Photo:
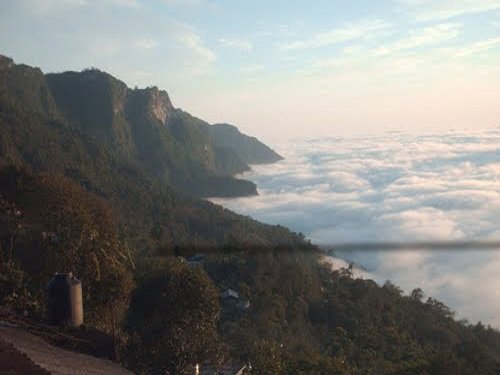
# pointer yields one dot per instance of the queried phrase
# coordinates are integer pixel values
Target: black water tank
(64, 300)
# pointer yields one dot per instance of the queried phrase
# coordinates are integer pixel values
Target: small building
(231, 302)
(230, 295)
(196, 260)
(243, 305)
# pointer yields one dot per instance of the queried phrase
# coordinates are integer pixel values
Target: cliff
(139, 126)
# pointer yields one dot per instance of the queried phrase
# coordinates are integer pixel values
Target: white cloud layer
(236, 43)
(123, 37)
(363, 30)
(428, 36)
(478, 47)
(444, 9)
(396, 187)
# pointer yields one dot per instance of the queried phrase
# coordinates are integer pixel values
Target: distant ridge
(251, 150)
(132, 148)
(141, 126)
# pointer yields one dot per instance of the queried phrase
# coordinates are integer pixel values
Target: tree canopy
(173, 318)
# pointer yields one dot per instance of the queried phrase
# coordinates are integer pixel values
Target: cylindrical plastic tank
(64, 300)
(76, 303)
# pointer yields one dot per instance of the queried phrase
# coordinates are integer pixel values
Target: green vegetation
(143, 127)
(90, 173)
(172, 318)
(306, 318)
(153, 215)
(54, 225)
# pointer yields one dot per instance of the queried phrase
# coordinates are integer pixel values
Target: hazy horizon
(281, 69)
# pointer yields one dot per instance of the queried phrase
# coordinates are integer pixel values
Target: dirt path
(55, 360)
(13, 362)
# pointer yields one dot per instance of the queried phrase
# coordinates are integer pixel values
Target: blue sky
(281, 68)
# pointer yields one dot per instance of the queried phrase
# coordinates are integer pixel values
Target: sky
(281, 69)
(396, 187)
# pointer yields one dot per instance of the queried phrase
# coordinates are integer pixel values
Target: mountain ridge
(250, 148)
(154, 212)
(141, 126)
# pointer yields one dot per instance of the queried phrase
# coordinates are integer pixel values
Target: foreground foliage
(172, 319)
(59, 227)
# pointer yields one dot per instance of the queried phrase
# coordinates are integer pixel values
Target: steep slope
(94, 101)
(142, 125)
(26, 85)
(250, 149)
(154, 215)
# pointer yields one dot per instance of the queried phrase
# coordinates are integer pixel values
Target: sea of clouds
(396, 187)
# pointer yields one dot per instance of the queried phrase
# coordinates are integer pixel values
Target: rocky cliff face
(150, 102)
(140, 126)
(5, 62)
(160, 105)
(95, 102)
(26, 85)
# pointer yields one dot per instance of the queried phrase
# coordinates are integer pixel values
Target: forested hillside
(102, 180)
(139, 126)
(94, 151)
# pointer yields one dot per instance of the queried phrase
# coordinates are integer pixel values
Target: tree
(11, 225)
(417, 294)
(173, 318)
(444, 364)
(13, 293)
(267, 358)
(66, 228)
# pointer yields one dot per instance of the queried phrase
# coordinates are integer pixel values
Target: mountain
(26, 86)
(142, 125)
(134, 149)
(250, 149)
